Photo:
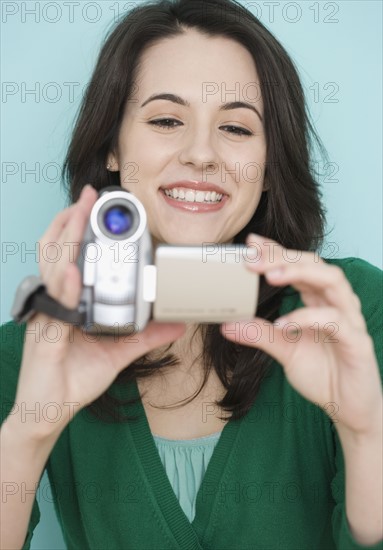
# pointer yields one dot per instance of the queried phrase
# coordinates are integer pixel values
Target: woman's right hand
(72, 369)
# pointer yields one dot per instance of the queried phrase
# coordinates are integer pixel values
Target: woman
(288, 422)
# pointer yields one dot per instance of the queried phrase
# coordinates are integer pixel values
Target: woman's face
(196, 157)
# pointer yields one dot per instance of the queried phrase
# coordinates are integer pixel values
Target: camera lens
(118, 220)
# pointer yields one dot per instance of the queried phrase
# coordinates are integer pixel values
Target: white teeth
(199, 196)
(189, 195)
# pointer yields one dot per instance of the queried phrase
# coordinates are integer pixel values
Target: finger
(71, 291)
(81, 214)
(73, 231)
(264, 254)
(316, 325)
(55, 228)
(326, 325)
(277, 340)
(51, 243)
(260, 334)
(326, 320)
(68, 246)
(318, 281)
(327, 282)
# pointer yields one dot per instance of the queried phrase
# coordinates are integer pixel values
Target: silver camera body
(125, 285)
(112, 263)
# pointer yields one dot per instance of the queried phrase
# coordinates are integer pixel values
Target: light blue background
(346, 52)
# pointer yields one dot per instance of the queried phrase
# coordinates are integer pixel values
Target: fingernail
(86, 187)
(275, 273)
(253, 253)
(253, 236)
(281, 321)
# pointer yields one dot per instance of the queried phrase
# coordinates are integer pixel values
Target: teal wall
(336, 46)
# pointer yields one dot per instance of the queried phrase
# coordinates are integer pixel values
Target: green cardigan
(275, 480)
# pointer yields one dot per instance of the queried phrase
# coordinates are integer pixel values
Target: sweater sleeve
(11, 346)
(367, 283)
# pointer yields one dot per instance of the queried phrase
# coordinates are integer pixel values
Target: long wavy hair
(290, 211)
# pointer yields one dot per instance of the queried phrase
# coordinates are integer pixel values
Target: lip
(195, 207)
(196, 186)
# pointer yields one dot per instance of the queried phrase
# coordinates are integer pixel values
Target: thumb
(257, 333)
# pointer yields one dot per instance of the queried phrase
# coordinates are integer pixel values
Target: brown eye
(238, 130)
(165, 122)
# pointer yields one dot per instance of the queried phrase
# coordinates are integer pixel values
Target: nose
(198, 150)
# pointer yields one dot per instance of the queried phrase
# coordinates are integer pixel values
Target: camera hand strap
(31, 296)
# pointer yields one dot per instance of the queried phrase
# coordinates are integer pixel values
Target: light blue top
(185, 462)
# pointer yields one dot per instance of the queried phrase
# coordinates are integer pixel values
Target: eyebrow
(226, 107)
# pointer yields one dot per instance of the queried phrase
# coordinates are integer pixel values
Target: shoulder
(11, 345)
(11, 341)
(357, 269)
(366, 281)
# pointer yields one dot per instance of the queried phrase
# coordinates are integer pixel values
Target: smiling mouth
(188, 195)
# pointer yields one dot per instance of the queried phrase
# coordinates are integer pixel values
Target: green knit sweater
(275, 480)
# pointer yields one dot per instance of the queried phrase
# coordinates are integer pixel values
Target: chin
(182, 234)
(191, 238)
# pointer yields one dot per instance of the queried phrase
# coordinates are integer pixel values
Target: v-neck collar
(188, 535)
(194, 535)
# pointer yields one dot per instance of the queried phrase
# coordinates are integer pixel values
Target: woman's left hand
(324, 348)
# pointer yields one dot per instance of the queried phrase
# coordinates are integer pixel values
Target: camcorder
(125, 283)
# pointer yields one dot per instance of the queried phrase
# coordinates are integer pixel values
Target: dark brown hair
(290, 211)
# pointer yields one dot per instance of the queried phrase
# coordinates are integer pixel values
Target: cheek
(248, 198)
(144, 160)
(252, 174)
(247, 165)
